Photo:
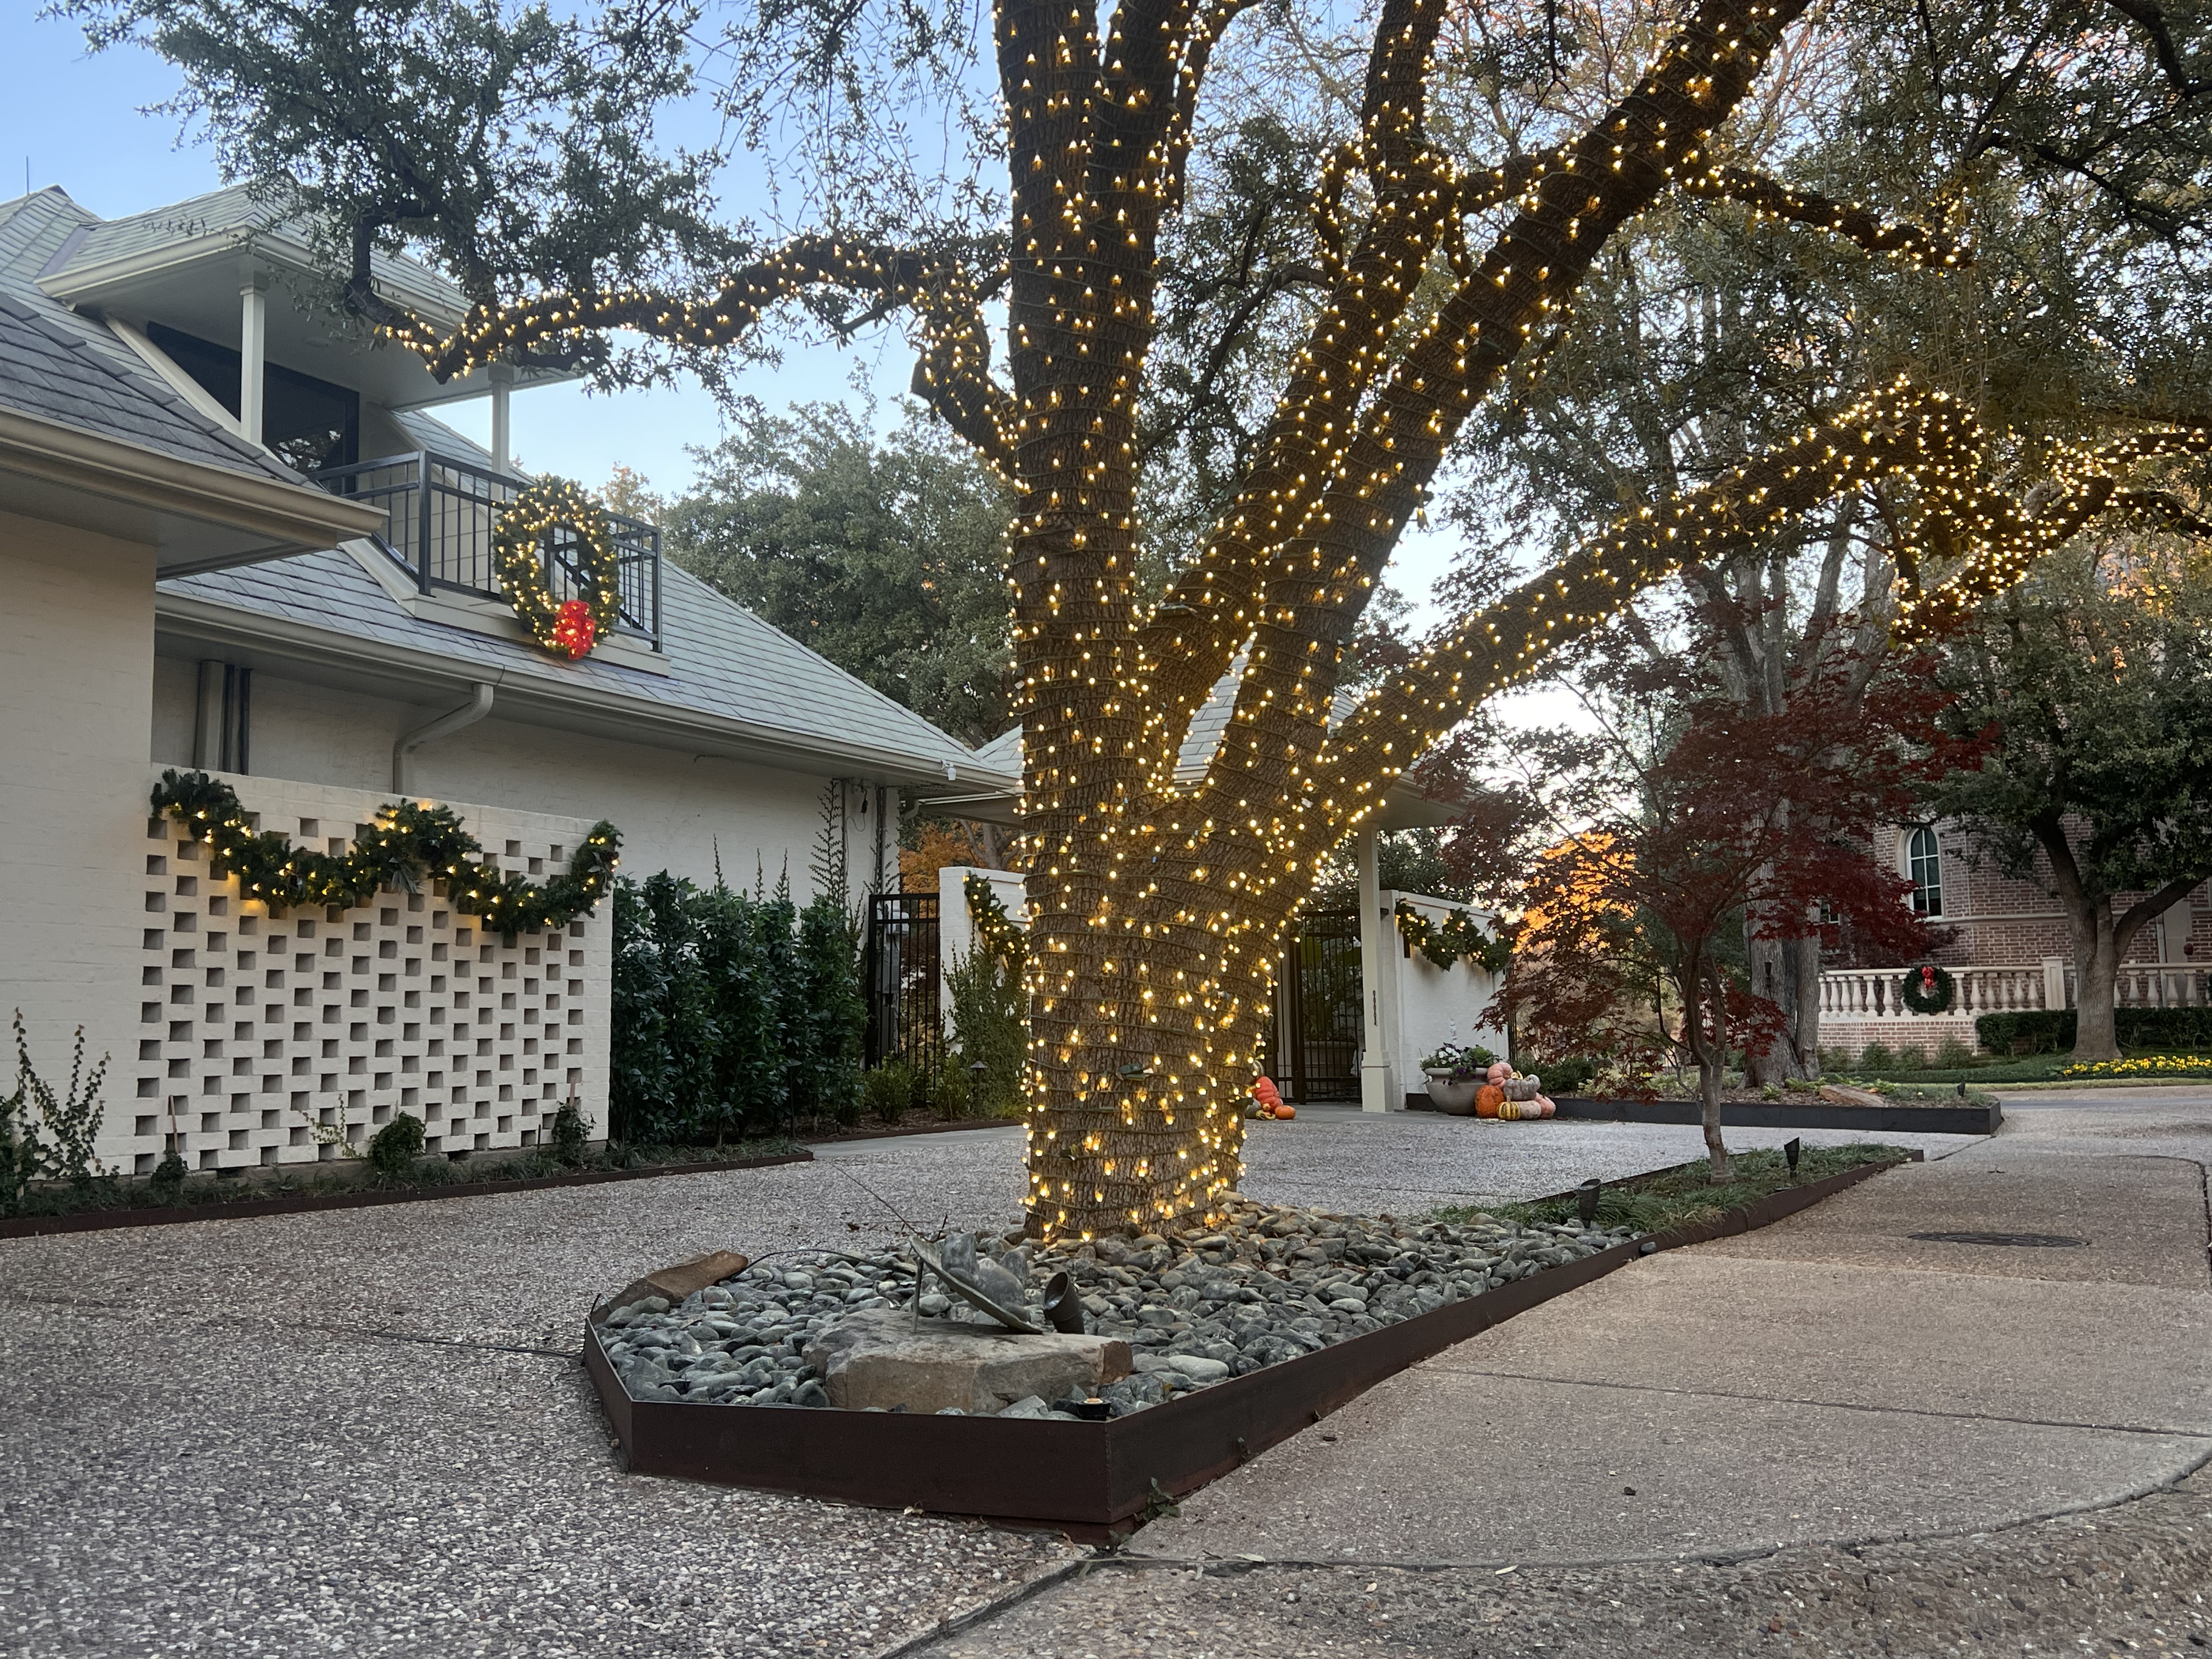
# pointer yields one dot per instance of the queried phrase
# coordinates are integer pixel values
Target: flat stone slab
(883, 1357)
(683, 1278)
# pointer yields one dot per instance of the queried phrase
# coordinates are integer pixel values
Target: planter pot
(1456, 1098)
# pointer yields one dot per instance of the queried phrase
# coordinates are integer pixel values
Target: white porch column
(1381, 1087)
(2054, 982)
(253, 350)
(503, 431)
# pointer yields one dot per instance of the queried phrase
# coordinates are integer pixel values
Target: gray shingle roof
(238, 211)
(57, 376)
(724, 660)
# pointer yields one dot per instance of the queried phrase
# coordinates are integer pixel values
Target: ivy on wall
(406, 844)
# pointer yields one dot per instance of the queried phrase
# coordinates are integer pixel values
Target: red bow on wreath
(574, 630)
(1927, 974)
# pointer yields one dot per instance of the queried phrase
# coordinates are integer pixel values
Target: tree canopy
(1448, 250)
(889, 560)
(2084, 698)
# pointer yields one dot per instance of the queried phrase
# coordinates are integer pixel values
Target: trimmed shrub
(734, 1014)
(1952, 1054)
(888, 1090)
(2051, 1031)
(990, 1023)
(570, 1136)
(1566, 1076)
(1876, 1057)
(393, 1149)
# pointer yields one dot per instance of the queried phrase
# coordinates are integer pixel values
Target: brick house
(233, 539)
(2008, 948)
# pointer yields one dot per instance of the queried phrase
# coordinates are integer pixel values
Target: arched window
(1924, 864)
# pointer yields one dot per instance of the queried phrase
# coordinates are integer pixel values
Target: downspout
(469, 714)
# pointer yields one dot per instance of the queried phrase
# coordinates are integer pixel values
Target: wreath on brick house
(568, 628)
(406, 844)
(1927, 989)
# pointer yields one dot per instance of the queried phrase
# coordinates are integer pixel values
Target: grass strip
(1667, 1199)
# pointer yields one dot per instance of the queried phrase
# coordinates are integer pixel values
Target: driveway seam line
(1832, 1405)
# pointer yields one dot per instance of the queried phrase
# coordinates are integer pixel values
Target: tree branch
(938, 292)
(2146, 16)
(1767, 197)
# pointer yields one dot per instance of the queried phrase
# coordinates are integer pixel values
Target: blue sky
(70, 119)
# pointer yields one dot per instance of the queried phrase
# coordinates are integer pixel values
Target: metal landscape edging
(1091, 1480)
(1961, 1119)
(170, 1215)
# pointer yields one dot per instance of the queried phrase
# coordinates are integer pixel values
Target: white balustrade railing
(1871, 993)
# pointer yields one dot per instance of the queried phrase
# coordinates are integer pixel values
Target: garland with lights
(406, 844)
(1928, 989)
(1459, 934)
(1002, 936)
(568, 628)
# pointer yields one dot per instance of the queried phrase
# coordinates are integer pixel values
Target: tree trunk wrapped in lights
(1158, 910)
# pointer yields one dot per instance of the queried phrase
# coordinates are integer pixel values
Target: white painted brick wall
(76, 648)
(252, 1027)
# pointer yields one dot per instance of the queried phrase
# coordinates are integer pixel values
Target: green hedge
(734, 1015)
(2051, 1031)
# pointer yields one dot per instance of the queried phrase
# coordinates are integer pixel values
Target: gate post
(1381, 1089)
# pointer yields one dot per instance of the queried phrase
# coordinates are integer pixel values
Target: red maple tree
(1745, 825)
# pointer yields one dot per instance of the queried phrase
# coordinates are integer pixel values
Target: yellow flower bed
(2145, 1066)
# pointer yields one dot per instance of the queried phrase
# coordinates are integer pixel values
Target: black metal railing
(1320, 1023)
(901, 967)
(441, 515)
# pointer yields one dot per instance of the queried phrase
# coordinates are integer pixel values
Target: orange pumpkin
(1487, 1099)
(1286, 1111)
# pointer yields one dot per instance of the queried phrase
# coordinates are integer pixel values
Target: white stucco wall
(76, 648)
(251, 1026)
(1437, 1005)
(677, 810)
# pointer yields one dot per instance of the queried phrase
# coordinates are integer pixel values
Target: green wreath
(1927, 989)
(568, 628)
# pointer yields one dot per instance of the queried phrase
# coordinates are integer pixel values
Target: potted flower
(1457, 1075)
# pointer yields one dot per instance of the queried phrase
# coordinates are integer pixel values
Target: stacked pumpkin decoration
(1506, 1095)
(1267, 1101)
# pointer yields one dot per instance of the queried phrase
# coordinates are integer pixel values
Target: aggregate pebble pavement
(365, 1431)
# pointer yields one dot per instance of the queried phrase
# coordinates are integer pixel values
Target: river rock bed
(1196, 1310)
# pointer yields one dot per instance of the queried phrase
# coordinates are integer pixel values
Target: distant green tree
(888, 559)
(2092, 683)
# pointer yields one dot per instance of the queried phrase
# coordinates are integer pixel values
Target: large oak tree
(1157, 906)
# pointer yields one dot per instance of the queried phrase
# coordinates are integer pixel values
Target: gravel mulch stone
(1271, 1284)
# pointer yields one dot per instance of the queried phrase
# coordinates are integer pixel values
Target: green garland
(1002, 936)
(406, 843)
(1927, 989)
(1457, 935)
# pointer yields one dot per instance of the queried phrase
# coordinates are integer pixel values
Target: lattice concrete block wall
(251, 1026)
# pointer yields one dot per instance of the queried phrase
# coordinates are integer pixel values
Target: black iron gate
(902, 967)
(1321, 1026)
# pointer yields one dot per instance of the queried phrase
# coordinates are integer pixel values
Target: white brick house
(234, 540)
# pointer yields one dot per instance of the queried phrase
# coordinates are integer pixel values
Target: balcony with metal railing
(442, 515)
